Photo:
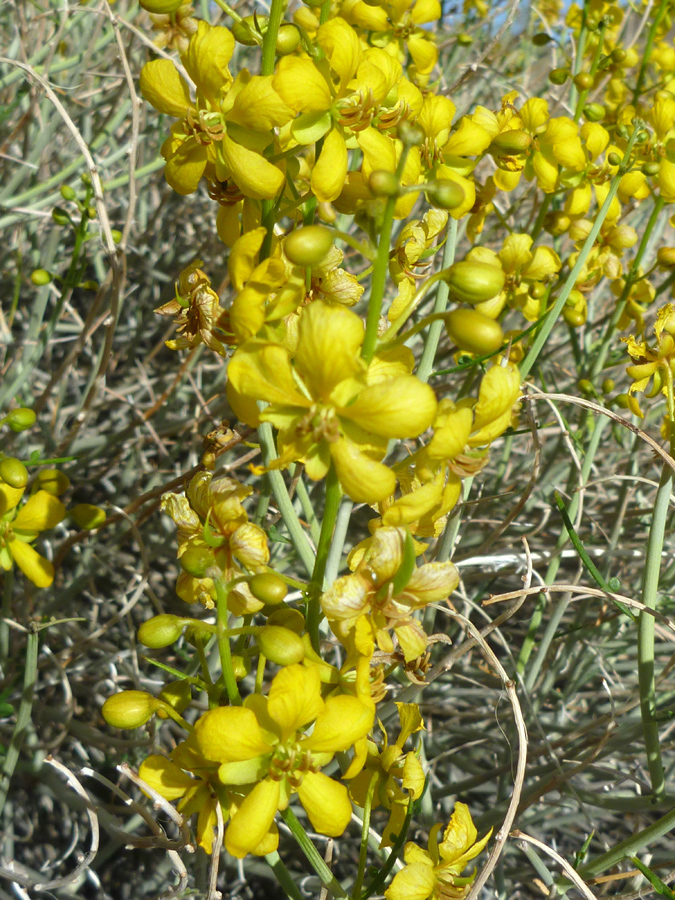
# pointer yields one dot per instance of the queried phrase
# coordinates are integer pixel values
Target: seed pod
(177, 695)
(288, 618)
(21, 419)
(511, 142)
(281, 645)
(464, 39)
(474, 332)
(161, 631)
(129, 709)
(40, 277)
(87, 516)
(53, 481)
(384, 184)
(446, 194)
(268, 588)
(473, 282)
(13, 472)
(308, 246)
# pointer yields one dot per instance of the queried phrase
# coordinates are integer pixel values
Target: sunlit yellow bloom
(324, 403)
(20, 527)
(198, 314)
(364, 607)
(435, 873)
(265, 743)
(653, 366)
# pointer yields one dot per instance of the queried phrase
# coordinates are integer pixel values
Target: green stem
(433, 337)
(647, 52)
(378, 882)
(365, 828)
(7, 592)
(313, 856)
(330, 511)
(224, 644)
(23, 716)
(269, 46)
(283, 876)
(568, 287)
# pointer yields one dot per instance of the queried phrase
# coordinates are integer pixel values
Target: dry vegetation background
(129, 417)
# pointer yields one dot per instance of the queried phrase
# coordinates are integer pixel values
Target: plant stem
(283, 876)
(23, 716)
(224, 643)
(313, 856)
(269, 45)
(330, 511)
(433, 337)
(649, 44)
(363, 852)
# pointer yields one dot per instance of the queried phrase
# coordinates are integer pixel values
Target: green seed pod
(268, 588)
(281, 645)
(161, 7)
(40, 277)
(445, 194)
(583, 81)
(245, 31)
(473, 332)
(594, 112)
(67, 192)
(87, 516)
(53, 481)
(129, 709)
(473, 282)
(287, 617)
(511, 142)
(161, 631)
(308, 246)
(558, 76)
(197, 558)
(608, 386)
(384, 184)
(177, 695)
(287, 39)
(21, 419)
(13, 472)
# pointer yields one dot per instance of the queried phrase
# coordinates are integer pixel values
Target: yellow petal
(35, 567)
(9, 497)
(42, 511)
(499, 391)
(253, 820)
(470, 139)
(329, 344)
(301, 85)
(330, 170)
(451, 435)
(165, 777)
(259, 107)
(414, 882)
(326, 803)
(341, 723)
(254, 175)
(230, 734)
(342, 47)
(295, 698)
(399, 408)
(185, 166)
(164, 88)
(262, 370)
(423, 51)
(244, 256)
(432, 582)
(207, 57)
(362, 479)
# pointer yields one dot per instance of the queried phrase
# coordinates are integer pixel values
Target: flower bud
(651, 168)
(622, 401)
(287, 39)
(608, 386)
(556, 222)
(308, 246)
(60, 216)
(13, 472)
(594, 112)
(665, 257)
(53, 481)
(129, 709)
(537, 290)
(473, 332)
(281, 645)
(583, 81)
(21, 419)
(161, 631)
(116, 236)
(40, 277)
(245, 31)
(558, 76)
(268, 588)
(541, 39)
(586, 387)
(161, 7)
(67, 192)
(289, 618)
(177, 695)
(87, 516)
(410, 135)
(473, 282)
(613, 158)
(197, 558)
(241, 666)
(618, 56)
(511, 142)
(445, 194)
(464, 39)
(384, 184)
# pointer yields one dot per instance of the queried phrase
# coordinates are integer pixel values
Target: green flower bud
(85, 178)
(21, 419)
(281, 645)
(594, 112)
(586, 387)
(40, 277)
(53, 481)
(129, 709)
(60, 216)
(246, 31)
(268, 588)
(161, 7)
(384, 184)
(556, 222)
(197, 558)
(583, 81)
(651, 168)
(13, 472)
(116, 236)
(613, 158)
(177, 695)
(537, 290)
(241, 666)
(308, 246)
(410, 135)
(558, 76)
(287, 39)
(87, 516)
(618, 55)
(665, 257)
(511, 142)
(445, 194)
(473, 332)
(541, 39)
(91, 212)
(161, 631)
(289, 618)
(464, 39)
(623, 131)
(473, 282)
(67, 192)
(622, 401)
(607, 386)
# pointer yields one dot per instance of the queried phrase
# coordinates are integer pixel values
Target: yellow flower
(197, 310)
(653, 367)
(227, 127)
(435, 873)
(265, 744)
(19, 528)
(326, 404)
(388, 765)
(362, 608)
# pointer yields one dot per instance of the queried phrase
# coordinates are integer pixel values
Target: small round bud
(60, 216)
(21, 419)
(13, 472)
(622, 401)
(537, 290)
(268, 588)
(87, 516)
(197, 558)
(116, 235)
(410, 135)
(464, 39)
(574, 317)
(246, 31)
(623, 131)
(161, 631)
(177, 695)
(384, 184)
(618, 56)
(586, 387)
(287, 39)
(445, 194)
(473, 282)
(161, 7)
(583, 81)
(241, 666)
(664, 95)
(541, 39)
(511, 142)
(308, 246)
(556, 222)
(665, 256)
(281, 645)
(651, 168)
(91, 212)
(607, 386)
(642, 137)
(594, 112)
(53, 481)
(89, 285)
(287, 617)
(558, 76)
(40, 277)
(85, 178)
(67, 192)
(129, 709)
(613, 158)
(473, 332)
